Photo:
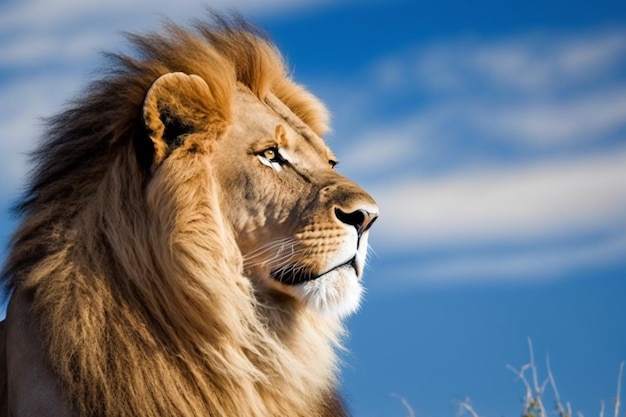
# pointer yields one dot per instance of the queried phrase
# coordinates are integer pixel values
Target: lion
(186, 247)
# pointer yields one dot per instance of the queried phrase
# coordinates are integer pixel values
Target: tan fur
(132, 249)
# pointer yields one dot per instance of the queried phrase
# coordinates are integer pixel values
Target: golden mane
(115, 307)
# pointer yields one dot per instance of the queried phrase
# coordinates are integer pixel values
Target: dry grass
(406, 404)
(536, 390)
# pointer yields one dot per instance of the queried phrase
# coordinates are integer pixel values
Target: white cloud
(582, 118)
(35, 32)
(52, 15)
(439, 135)
(375, 155)
(24, 105)
(37, 49)
(541, 92)
(380, 148)
(537, 62)
(528, 63)
(533, 265)
(513, 143)
(505, 204)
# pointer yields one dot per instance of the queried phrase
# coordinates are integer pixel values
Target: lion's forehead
(296, 124)
(260, 125)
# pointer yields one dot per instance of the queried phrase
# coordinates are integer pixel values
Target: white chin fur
(337, 293)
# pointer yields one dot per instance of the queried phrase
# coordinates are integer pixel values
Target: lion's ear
(178, 104)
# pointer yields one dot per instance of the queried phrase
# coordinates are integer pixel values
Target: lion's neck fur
(153, 327)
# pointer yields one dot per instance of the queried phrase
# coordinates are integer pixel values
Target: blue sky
(492, 134)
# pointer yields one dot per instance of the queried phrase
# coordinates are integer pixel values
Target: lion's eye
(332, 163)
(270, 154)
(272, 158)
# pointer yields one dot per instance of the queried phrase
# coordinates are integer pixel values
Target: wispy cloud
(584, 117)
(516, 143)
(24, 105)
(43, 15)
(505, 204)
(527, 64)
(518, 100)
(33, 32)
(535, 265)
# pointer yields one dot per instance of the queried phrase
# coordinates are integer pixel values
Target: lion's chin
(337, 293)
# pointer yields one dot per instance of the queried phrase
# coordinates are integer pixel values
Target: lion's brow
(297, 124)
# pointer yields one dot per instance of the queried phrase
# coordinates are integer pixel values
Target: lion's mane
(146, 313)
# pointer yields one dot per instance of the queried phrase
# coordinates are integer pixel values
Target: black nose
(360, 219)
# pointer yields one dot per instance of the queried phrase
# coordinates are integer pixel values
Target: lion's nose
(360, 219)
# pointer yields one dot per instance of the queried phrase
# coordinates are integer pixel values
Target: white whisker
(271, 246)
(279, 255)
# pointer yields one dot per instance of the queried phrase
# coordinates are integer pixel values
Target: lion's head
(300, 227)
(186, 220)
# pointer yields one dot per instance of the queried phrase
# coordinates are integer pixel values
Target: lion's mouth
(295, 274)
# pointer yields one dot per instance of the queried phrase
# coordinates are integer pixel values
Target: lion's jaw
(337, 292)
(309, 239)
(338, 289)
(334, 293)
